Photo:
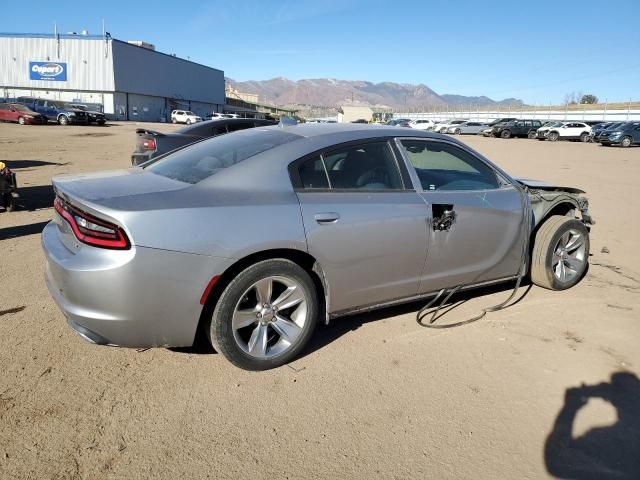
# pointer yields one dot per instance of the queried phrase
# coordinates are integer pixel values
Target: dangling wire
(424, 311)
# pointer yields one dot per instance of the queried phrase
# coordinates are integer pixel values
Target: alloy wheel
(270, 316)
(569, 257)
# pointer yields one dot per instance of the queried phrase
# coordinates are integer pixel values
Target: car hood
(540, 185)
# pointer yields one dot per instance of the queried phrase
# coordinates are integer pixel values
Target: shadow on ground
(611, 452)
(21, 230)
(325, 334)
(35, 198)
(19, 164)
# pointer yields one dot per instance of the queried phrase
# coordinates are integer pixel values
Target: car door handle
(327, 217)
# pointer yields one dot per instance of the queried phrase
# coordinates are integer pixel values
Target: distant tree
(589, 99)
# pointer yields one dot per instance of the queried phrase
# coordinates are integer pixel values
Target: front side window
(369, 166)
(441, 166)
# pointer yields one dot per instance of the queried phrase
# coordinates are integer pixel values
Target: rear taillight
(91, 230)
(149, 143)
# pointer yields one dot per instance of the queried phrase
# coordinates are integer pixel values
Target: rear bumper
(141, 297)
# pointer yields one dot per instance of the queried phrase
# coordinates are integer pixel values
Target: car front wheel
(584, 138)
(63, 120)
(21, 120)
(560, 253)
(626, 142)
(553, 136)
(265, 316)
(531, 135)
(505, 134)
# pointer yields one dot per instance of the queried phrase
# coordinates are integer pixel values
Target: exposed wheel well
(301, 258)
(564, 209)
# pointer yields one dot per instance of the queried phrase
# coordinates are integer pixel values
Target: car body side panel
(374, 251)
(484, 243)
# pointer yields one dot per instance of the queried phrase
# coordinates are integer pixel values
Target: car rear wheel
(553, 136)
(505, 134)
(265, 316)
(63, 120)
(560, 253)
(626, 142)
(173, 120)
(584, 138)
(531, 135)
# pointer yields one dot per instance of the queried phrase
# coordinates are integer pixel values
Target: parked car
(184, 116)
(488, 132)
(151, 144)
(541, 133)
(93, 116)
(55, 110)
(360, 120)
(624, 135)
(256, 236)
(570, 131)
(436, 125)
(421, 124)
(517, 128)
(467, 128)
(395, 121)
(214, 115)
(18, 113)
(445, 126)
(596, 133)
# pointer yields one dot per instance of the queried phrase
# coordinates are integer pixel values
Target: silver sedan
(256, 236)
(467, 128)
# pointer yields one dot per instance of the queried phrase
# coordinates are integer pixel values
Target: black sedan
(151, 144)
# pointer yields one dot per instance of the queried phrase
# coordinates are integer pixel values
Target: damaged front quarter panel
(557, 200)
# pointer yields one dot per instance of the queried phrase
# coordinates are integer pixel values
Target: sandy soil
(374, 396)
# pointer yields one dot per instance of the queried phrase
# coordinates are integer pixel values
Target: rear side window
(313, 174)
(194, 163)
(442, 166)
(369, 166)
(235, 126)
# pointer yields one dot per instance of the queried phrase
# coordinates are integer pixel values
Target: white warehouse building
(130, 80)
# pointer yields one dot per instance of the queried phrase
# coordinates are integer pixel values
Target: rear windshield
(204, 159)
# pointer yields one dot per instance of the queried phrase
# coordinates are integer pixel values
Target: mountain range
(329, 92)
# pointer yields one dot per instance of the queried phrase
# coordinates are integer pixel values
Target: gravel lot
(375, 395)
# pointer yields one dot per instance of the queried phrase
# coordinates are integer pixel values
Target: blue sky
(537, 51)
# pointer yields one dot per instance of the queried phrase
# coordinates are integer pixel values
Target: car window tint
(313, 174)
(235, 126)
(370, 166)
(441, 166)
(219, 130)
(201, 160)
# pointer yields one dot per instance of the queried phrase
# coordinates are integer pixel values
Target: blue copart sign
(52, 71)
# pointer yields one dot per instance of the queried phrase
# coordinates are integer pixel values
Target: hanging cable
(526, 229)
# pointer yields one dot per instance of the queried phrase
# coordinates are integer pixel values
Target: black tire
(173, 120)
(584, 137)
(626, 142)
(219, 328)
(21, 120)
(541, 139)
(544, 244)
(101, 122)
(63, 120)
(457, 131)
(532, 134)
(188, 121)
(553, 136)
(505, 134)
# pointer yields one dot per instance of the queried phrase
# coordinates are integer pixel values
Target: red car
(14, 112)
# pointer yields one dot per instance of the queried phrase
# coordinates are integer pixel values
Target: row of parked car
(623, 134)
(40, 111)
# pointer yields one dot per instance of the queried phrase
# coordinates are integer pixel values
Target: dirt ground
(375, 395)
